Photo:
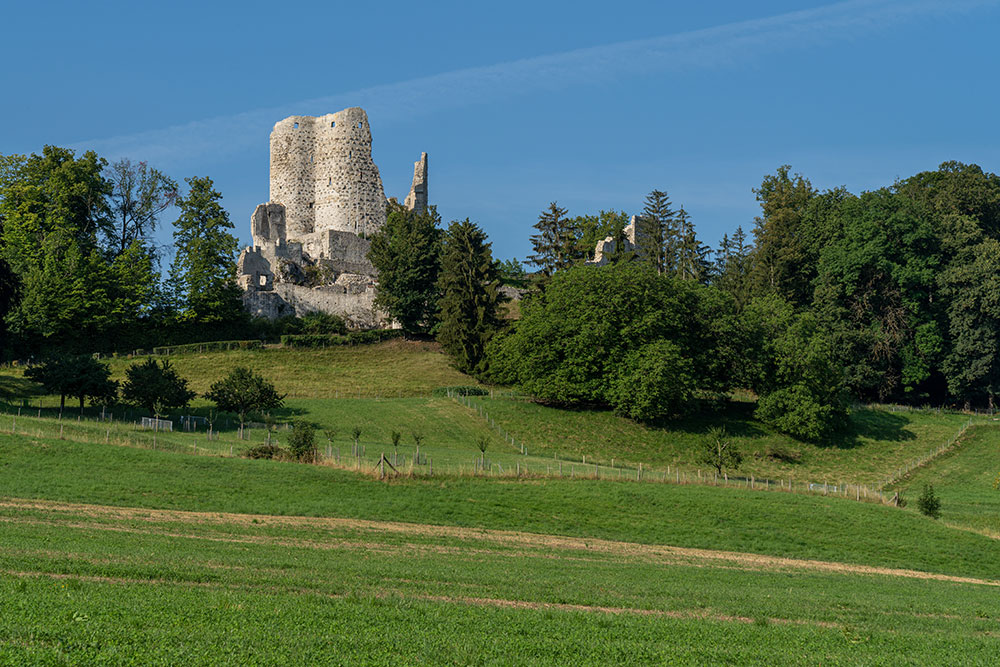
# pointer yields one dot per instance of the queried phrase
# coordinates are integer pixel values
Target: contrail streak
(699, 49)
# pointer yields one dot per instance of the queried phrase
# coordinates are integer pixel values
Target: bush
(313, 340)
(332, 340)
(928, 503)
(373, 336)
(798, 412)
(302, 441)
(317, 323)
(265, 452)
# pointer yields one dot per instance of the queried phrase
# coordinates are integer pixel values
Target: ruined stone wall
(323, 173)
(417, 199)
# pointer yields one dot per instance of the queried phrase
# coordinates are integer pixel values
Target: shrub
(331, 340)
(302, 441)
(928, 503)
(264, 452)
(313, 340)
(318, 323)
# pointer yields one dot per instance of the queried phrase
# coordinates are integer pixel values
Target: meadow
(118, 550)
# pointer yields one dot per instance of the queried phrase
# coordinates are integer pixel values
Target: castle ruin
(310, 240)
(634, 243)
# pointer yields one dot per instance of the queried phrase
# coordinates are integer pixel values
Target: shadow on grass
(13, 389)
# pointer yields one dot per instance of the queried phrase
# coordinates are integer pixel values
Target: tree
(243, 392)
(618, 335)
(555, 244)
(54, 209)
(655, 381)
(928, 503)
(731, 272)
(719, 451)
(511, 272)
(792, 365)
(656, 235)
(80, 376)
(470, 296)
(205, 261)
(482, 443)
(782, 263)
(138, 195)
(155, 387)
(692, 256)
(407, 254)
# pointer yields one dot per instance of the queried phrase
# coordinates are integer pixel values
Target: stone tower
(311, 240)
(322, 171)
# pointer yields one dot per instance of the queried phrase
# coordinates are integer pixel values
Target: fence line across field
(136, 433)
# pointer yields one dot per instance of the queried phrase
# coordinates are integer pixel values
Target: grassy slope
(388, 369)
(878, 443)
(963, 479)
(764, 522)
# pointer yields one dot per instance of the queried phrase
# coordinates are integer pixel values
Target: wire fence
(202, 438)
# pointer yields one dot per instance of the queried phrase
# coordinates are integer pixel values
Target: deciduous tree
(243, 392)
(407, 254)
(155, 387)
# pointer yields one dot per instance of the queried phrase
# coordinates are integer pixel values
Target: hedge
(331, 340)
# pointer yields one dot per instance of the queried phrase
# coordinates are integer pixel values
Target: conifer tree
(470, 296)
(692, 255)
(555, 244)
(656, 234)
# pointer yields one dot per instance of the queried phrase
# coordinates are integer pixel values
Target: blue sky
(518, 103)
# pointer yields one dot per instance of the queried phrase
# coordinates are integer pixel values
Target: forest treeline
(889, 295)
(831, 298)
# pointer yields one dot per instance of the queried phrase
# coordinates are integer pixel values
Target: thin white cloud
(710, 47)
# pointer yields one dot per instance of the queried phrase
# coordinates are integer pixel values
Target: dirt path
(511, 539)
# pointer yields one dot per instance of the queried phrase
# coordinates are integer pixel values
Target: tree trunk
(62, 403)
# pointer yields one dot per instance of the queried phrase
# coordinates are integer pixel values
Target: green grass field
(964, 480)
(113, 552)
(208, 560)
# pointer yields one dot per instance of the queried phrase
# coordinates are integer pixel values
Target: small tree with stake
(482, 443)
(243, 392)
(395, 436)
(418, 437)
(719, 451)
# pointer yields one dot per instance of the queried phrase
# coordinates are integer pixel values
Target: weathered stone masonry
(310, 241)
